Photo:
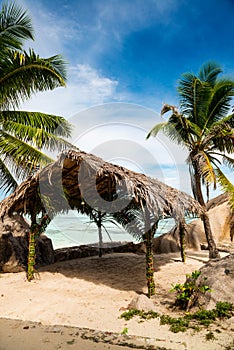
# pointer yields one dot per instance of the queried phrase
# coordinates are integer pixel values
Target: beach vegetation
(26, 136)
(210, 336)
(189, 291)
(196, 321)
(124, 331)
(203, 125)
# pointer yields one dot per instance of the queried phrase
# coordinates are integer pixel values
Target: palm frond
(186, 93)
(209, 72)
(229, 162)
(194, 97)
(22, 74)
(155, 130)
(220, 138)
(15, 26)
(7, 182)
(16, 170)
(228, 120)
(39, 129)
(132, 220)
(21, 154)
(206, 169)
(182, 130)
(220, 103)
(226, 185)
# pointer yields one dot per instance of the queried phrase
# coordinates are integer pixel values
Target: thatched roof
(78, 180)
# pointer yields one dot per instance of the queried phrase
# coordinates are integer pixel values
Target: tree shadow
(122, 271)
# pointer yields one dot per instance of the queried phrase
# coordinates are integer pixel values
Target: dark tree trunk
(35, 231)
(213, 251)
(150, 231)
(100, 240)
(182, 240)
(149, 263)
(31, 249)
(99, 224)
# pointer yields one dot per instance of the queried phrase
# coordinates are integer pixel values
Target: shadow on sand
(122, 271)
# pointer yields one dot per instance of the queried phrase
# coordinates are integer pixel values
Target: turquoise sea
(75, 229)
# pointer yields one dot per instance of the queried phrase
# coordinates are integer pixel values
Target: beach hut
(82, 181)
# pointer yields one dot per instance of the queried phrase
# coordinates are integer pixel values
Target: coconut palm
(24, 136)
(202, 125)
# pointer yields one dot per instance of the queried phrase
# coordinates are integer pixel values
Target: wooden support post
(35, 231)
(31, 248)
(150, 231)
(149, 263)
(182, 240)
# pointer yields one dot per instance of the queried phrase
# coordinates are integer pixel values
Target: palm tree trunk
(213, 251)
(149, 263)
(31, 255)
(149, 254)
(31, 249)
(35, 231)
(182, 241)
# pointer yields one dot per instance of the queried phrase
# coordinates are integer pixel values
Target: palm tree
(24, 136)
(202, 125)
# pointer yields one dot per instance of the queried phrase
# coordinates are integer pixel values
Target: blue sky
(124, 59)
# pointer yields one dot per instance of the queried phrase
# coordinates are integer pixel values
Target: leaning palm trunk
(213, 251)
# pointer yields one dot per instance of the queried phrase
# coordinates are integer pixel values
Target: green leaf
(15, 26)
(226, 185)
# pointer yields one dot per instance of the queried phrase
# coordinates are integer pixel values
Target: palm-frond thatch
(78, 180)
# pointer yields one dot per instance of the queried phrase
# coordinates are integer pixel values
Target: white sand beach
(92, 293)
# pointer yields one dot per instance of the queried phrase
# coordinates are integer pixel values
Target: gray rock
(219, 276)
(142, 302)
(222, 225)
(14, 245)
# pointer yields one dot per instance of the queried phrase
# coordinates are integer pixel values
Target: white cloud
(86, 87)
(117, 133)
(51, 32)
(91, 86)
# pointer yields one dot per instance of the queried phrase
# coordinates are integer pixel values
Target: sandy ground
(92, 293)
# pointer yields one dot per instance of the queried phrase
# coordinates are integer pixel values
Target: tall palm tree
(24, 136)
(202, 125)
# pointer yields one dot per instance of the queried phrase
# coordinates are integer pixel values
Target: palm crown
(24, 136)
(202, 124)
